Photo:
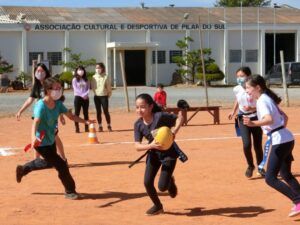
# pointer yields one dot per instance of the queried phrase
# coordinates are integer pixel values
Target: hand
(34, 141)
(88, 122)
(155, 145)
(62, 120)
(18, 115)
(247, 121)
(230, 115)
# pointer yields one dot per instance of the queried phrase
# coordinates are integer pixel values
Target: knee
(163, 186)
(270, 179)
(286, 176)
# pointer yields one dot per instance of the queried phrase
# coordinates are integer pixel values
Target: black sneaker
(100, 129)
(172, 188)
(249, 171)
(261, 172)
(19, 173)
(154, 210)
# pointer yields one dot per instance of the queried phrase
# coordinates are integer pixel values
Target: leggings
(280, 160)
(50, 156)
(102, 101)
(256, 133)
(79, 103)
(152, 166)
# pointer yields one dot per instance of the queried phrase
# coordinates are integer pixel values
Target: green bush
(24, 78)
(211, 76)
(212, 68)
(66, 77)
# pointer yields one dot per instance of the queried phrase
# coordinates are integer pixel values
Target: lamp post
(185, 17)
(274, 32)
(242, 41)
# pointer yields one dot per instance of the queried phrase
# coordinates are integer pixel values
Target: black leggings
(102, 101)
(257, 142)
(152, 166)
(280, 160)
(50, 155)
(79, 103)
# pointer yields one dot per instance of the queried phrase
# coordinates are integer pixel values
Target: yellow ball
(164, 137)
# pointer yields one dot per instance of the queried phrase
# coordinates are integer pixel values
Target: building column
(298, 46)
(107, 52)
(24, 52)
(225, 55)
(67, 45)
(156, 67)
(115, 67)
(262, 52)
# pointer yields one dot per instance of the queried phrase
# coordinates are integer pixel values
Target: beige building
(147, 37)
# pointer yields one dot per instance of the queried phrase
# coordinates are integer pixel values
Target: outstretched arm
(26, 104)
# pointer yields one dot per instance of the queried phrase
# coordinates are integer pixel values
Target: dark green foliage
(246, 3)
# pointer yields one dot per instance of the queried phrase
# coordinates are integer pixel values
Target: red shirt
(160, 98)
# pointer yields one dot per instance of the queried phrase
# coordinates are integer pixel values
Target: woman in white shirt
(273, 122)
(245, 105)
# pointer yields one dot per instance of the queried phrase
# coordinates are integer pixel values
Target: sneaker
(154, 210)
(100, 129)
(172, 188)
(261, 172)
(249, 171)
(109, 128)
(19, 173)
(72, 196)
(295, 210)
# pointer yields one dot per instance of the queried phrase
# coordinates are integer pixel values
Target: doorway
(135, 67)
(283, 41)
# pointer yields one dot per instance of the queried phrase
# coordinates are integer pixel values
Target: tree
(73, 63)
(246, 3)
(189, 61)
(5, 67)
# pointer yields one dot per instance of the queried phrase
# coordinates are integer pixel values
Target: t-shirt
(243, 99)
(266, 106)
(160, 119)
(37, 90)
(48, 120)
(160, 98)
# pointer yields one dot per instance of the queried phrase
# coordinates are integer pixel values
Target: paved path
(11, 102)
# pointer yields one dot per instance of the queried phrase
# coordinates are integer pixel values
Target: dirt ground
(212, 187)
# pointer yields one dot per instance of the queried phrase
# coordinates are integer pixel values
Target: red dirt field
(212, 187)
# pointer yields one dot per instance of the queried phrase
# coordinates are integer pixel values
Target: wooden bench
(212, 110)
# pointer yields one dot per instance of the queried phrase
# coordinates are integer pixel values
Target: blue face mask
(241, 80)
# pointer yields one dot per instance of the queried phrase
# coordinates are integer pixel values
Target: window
(54, 58)
(174, 53)
(235, 56)
(34, 56)
(251, 55)
(161, 57)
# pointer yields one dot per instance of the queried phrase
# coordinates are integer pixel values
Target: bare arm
(266, 120)
(75, 118)
(234, 109)
(179, 122)
(144, 147)
(26, 104)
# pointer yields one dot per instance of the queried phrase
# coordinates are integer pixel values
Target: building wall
(10, 48)
(45, 42)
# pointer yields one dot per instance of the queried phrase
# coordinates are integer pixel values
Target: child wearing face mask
(245, 105)
(41, 73)
(81, 89)
(46, 113)
(101, 87)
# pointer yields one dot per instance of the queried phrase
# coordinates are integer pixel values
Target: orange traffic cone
(92, 135)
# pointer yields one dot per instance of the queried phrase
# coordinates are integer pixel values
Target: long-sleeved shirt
(81, 88)
(101, 85)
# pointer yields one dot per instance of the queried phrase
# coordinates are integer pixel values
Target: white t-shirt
(243, 98)
(266, 106)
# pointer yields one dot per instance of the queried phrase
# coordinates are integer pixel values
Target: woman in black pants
(101, 87)
(246, 106)
(152, 118)
(281, 141)
(81, 89)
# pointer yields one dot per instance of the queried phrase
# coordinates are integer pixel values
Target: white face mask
(40, 75)
(56, 94)
(80, 72)
(241, 80)
(98, 71)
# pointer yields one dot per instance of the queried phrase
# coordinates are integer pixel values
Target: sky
(126, 3)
